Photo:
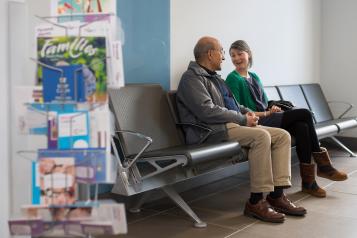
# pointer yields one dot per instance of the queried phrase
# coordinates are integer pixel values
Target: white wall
(4, 120)
(283, 34)
(22, 22)
(339, 52)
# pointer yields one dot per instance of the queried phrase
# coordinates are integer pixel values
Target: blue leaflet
(64, 84)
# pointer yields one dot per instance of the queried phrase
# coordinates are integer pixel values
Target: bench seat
(325, 129)
(202, 153)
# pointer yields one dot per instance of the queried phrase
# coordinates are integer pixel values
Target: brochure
(107, 218)
(64, 84)
(71, 51)
(72, 7)
(90, 164)
(57, 180)
(23, 226)
(73, 130)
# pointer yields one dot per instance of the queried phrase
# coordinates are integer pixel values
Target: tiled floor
(221, 204)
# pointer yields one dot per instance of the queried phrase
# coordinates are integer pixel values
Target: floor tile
(213, 188)
(165, 226)
(221, 205)
(232, 200)
(348, 186)
(353, 174)
(143, 214)
(196, 193)
(313, 225)
(160, 205)
(335, 204)
(224, 209)
(346, 164)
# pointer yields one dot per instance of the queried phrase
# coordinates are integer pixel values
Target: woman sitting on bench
(248, 91)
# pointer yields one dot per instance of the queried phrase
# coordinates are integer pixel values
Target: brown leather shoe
(284, 205)
(308, 183)
(263, 211)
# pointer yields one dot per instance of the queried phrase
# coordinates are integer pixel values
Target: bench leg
(182, 204)
(343, 146)
(138, 202)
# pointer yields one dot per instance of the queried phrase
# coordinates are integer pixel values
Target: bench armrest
(208, 130)
(128, 163)
(350, 106)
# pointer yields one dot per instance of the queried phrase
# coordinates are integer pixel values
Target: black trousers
(299, 123)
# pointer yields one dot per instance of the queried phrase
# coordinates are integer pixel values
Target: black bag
(284, 105)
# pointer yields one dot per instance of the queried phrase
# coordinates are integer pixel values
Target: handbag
(284, 105)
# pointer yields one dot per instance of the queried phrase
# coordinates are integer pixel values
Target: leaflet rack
(76, 121)
(62, 209)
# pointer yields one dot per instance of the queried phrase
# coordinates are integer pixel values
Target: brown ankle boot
(325, 168)
(308, 184)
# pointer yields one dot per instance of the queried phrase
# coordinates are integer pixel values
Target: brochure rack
(62, 209)
(78, 153)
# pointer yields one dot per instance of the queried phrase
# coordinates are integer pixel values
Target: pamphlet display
(76, 63)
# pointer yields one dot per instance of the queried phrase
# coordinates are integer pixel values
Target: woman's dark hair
(241, 45)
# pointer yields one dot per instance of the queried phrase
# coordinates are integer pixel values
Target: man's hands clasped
(252, 119)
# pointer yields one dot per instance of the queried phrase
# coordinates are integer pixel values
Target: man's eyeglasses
(220, 51)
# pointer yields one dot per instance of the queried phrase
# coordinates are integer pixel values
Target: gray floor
(221, 204)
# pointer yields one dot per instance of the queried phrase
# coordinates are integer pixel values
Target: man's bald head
(203, 45)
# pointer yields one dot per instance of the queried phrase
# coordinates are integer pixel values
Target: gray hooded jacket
(200, 102)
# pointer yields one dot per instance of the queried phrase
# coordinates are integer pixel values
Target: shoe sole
(314, 194)
(251, 214)
(298, 214)
(329, 178)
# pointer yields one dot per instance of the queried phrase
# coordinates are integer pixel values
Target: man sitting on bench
(202, 98)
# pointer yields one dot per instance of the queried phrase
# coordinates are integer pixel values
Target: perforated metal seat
(318, 103)
(310, 96)
(294, 94)
(272, 93)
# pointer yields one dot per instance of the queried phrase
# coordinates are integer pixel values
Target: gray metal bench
(150, 148)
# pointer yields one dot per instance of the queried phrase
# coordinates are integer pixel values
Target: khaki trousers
(269, 155)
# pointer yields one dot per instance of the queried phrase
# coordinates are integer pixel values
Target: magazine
(89, 52)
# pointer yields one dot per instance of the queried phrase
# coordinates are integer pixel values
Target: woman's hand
(275, 109)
